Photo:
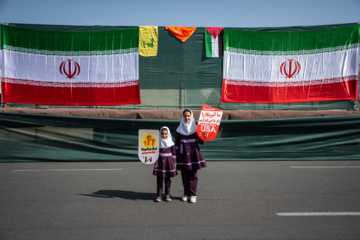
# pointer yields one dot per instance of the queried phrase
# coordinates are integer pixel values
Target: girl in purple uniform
(188, 155)
(164, 167)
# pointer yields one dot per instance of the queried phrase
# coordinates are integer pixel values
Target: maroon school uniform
(189, 156)
(189, 160)
(165, 165)
(164, 169)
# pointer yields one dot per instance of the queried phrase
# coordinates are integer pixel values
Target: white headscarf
(166, 143)
(187, 128)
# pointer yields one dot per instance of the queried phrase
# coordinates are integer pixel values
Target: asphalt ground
(236, 200)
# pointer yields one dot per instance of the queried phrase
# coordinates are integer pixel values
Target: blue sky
(237, 13)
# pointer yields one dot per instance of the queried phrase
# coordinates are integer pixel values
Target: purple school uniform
(165, 165)
(189, 156)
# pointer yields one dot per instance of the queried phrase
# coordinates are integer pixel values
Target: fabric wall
(26, 137)
(182, 76)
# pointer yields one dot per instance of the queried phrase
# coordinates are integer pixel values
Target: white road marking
(325, 167)
(66, 170)
(317, 214)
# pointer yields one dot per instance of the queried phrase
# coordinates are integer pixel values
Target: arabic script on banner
(209, 123)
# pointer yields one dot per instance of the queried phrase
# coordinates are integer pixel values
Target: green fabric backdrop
(26, 137)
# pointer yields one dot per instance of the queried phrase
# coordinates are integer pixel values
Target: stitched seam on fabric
(289, 84)
(70, 84)
(70, 53)
(299, 52)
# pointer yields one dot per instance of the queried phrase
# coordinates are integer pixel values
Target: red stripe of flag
(344, 90)
(50, 95)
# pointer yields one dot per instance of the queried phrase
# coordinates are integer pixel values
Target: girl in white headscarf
(164, 167)
(188, 155)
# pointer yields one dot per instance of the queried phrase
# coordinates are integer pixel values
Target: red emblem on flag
(289, 70)
(68, 70)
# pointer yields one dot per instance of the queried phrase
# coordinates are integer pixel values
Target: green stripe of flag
(292, 41)
(208, 43)
(24, 38)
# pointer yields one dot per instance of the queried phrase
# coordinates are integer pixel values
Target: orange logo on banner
(182, 33)
(209, 123)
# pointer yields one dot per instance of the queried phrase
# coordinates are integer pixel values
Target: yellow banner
(148, 41)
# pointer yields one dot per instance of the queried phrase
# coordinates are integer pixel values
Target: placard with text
(148, 145)
(209, 123)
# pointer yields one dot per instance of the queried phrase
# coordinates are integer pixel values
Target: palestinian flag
(70, 68)
(293, 66)
(214, 41)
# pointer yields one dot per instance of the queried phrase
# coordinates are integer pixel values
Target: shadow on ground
(129, 195)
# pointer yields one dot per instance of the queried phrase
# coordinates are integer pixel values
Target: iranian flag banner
(291, 66)
(70, 68)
